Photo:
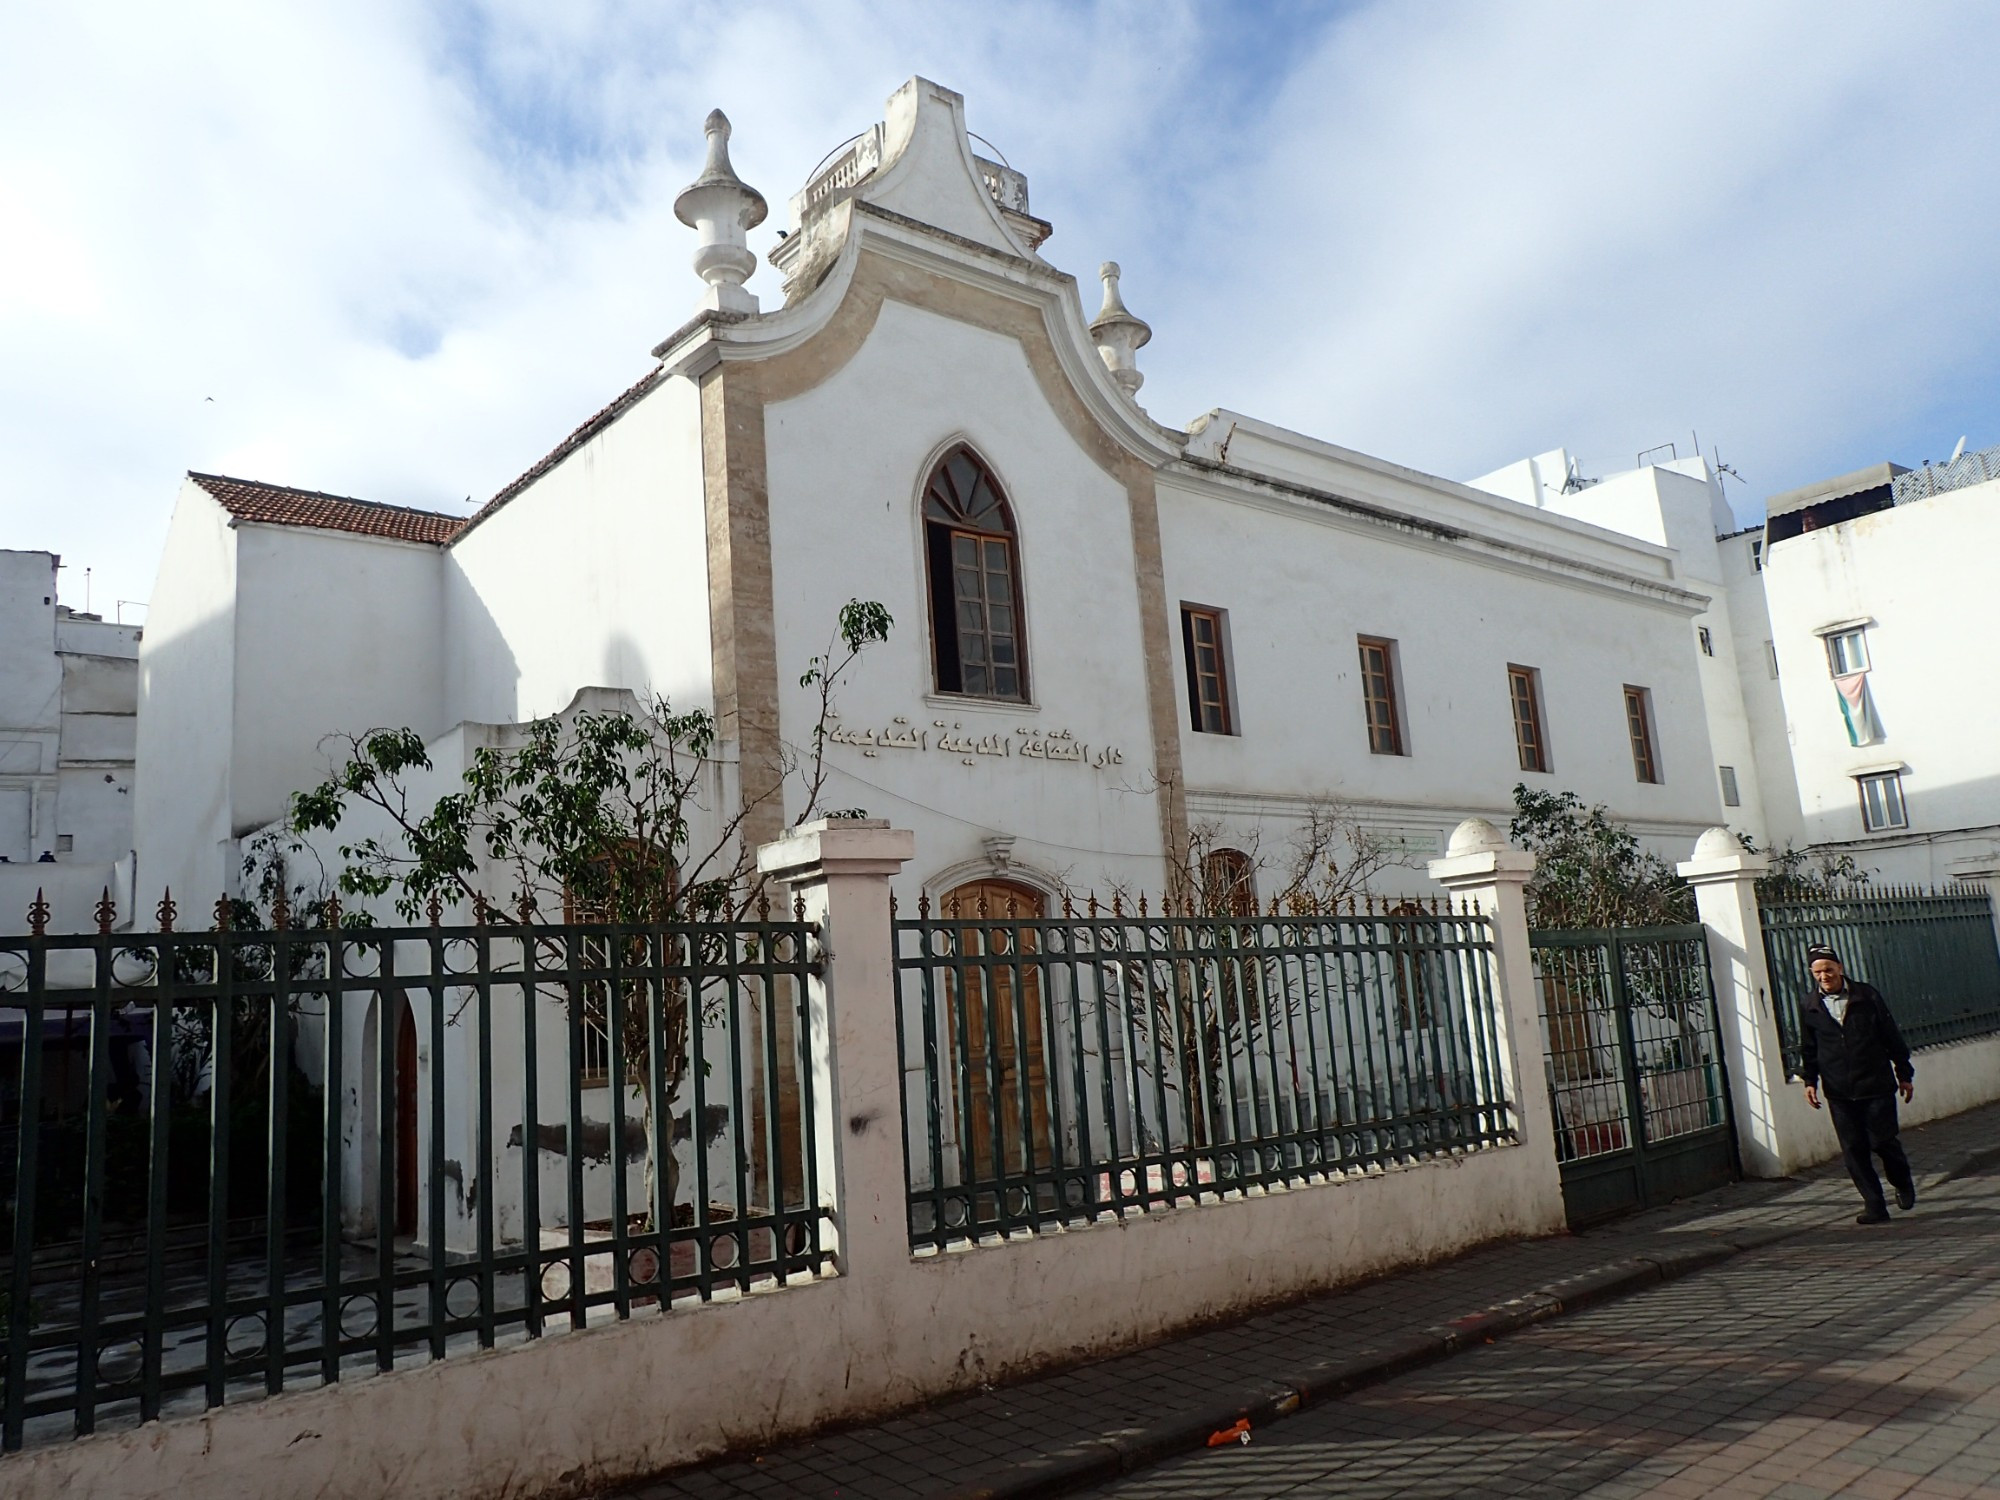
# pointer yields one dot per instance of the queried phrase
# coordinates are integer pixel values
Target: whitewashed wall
(187, 705)
(847, 464)
(595, 576)
(1933, 656)
(1301, 580)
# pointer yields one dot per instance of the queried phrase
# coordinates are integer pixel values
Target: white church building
(1108, 630)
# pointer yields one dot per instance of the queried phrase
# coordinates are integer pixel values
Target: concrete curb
(1066, 1470)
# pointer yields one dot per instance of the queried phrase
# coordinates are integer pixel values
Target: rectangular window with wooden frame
(1524, 687)
(1639, 724)
(1378, 695)
(1204, 643)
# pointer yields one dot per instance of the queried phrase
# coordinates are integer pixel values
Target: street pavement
(1841, 1359)
(1848, 1361)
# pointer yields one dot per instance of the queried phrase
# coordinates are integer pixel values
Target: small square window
(65, 843)
(1730, 796)
(1707, 641)
(1639, 725)
(1847, 652)
(1378, 695)
(1204, 645)
(1882, 801)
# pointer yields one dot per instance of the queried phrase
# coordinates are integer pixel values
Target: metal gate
(1635, 1067)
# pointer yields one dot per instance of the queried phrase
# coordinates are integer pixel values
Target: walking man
(1850, 1046)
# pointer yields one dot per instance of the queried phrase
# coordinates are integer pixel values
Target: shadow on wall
(181, 803)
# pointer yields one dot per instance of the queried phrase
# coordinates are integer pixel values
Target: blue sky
(397, 250)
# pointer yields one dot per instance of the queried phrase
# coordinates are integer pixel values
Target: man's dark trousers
(1867, 1127)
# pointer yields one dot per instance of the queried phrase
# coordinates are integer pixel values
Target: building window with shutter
(1524, 687)
(1730, 796)
(1706, 640)
(1378, 695)
(1639, 725)
(1204, 646)
(975, 582)
(1882, 806)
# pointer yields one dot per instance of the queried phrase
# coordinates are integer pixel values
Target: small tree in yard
(588, 819)
(1213, 1014)
(1590, 870)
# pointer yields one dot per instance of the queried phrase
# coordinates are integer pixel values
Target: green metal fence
(1057, 1070)
(238, 1162)
(1931, 953)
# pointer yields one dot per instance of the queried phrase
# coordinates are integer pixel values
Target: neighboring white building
(1875, 584)
(1841, 665)
(68, 712)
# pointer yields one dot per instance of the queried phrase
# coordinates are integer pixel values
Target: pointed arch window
(975, 582)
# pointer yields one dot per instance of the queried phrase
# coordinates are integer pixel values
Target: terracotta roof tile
(282, 505)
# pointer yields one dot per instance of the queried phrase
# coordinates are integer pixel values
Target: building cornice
(1288, 497)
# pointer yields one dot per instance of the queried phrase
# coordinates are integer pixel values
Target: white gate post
(841, 868)
(1775, 1129)
(1480, 867)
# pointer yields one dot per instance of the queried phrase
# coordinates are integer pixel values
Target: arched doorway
(406, 1120)
(996, 1019)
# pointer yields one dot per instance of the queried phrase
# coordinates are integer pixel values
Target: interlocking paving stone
(1592, 1437)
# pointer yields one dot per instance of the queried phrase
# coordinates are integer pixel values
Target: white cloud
(405, 250)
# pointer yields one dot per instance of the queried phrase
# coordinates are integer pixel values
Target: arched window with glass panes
(974, 569)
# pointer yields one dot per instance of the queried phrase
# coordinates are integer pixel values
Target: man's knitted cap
(1818, 951)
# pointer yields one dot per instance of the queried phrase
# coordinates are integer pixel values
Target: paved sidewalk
(1846, 1361)
(1051, 1434)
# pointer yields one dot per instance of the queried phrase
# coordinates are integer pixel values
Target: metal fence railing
(238, 1162)
(1057, 1070)
(1932, 954)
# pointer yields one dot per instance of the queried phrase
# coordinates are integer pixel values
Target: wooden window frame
(963, 504)
(1531, 739)
(1211, 709)
(1229, 883)
(1894, 781)
(1381, 704)
(1639, 729)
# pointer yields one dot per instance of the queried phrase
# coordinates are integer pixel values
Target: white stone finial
(722, 208)
(1119, 335)
(1717, 843)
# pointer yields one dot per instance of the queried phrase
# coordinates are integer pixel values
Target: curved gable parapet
(887, 256)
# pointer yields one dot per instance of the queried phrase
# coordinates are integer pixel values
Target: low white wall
(571, 1413)
(1950, 1080)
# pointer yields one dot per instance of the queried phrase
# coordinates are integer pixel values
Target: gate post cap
(1473, 836)
(1478, 854)
(1720, 855)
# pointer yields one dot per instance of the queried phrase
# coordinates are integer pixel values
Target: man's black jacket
(1854, 1058)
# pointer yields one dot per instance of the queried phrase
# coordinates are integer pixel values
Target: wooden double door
(996, 1024)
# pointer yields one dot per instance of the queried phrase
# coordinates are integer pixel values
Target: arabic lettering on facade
(951, 738)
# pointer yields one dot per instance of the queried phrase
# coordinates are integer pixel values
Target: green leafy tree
(1590, 870)
(586, 819)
